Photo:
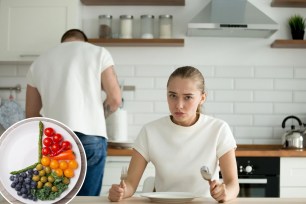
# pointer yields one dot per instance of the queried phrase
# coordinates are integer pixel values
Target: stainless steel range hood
(232, 18)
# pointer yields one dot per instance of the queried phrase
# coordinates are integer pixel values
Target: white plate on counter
(121, 144)
(169, 197)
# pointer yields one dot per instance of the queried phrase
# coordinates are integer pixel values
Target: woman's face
(183, 100)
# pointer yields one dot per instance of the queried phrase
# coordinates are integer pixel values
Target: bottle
(126, 26)
(147, 26)
(165, 26)
(105, 22)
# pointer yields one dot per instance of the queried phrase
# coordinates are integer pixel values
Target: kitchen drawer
(293, 192)
(293, 172)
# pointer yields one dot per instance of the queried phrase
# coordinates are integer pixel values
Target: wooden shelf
(289, 44)
(137, 42)
(288, 3)
(135, 2)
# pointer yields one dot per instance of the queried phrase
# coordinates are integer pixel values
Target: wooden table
(141, 200)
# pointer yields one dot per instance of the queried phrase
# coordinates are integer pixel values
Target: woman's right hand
(117, 192)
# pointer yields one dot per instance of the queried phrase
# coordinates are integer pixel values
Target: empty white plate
(169, 197)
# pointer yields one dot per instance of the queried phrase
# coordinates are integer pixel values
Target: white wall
(250, 85)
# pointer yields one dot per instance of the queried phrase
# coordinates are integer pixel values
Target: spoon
(205, 173)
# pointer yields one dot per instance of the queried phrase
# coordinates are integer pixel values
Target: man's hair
(74, 33)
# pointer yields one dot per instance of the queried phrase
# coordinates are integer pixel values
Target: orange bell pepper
(66, 155)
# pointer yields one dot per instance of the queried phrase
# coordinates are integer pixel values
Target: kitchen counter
(242, 151)
(142, 200)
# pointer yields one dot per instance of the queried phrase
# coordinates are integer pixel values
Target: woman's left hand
(218, 191)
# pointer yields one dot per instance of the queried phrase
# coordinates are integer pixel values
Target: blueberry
(19, 193)
(30, 197)
(13, 185)
(23, 190)
(24, 195)
(23, 174)
(20, 179)
(18, 187)
(33, 185)
(30, 171)
(27, 180)
(34, 198)
(28, 186)
(12, 178)
(15, 181)
(35, 172)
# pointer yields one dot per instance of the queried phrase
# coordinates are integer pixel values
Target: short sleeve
(107, 59)
(141, 144)
(226, 140)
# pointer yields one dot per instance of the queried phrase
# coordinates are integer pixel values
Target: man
(66, 84)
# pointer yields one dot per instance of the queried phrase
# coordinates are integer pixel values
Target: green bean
(25, 169)
(41, 131)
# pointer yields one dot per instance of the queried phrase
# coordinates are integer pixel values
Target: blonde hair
(189, 72)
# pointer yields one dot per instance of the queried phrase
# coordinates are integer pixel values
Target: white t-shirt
(68, 78)
(179, 152)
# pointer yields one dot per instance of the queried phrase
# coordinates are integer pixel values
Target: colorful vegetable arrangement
(50, 176)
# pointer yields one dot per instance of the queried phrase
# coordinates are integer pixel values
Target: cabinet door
(112, 172)
(293, 177)
(29, 27)
(292, 192)
(293, 172)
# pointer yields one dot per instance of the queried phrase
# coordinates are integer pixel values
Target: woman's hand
(218, 191)
(117, 192)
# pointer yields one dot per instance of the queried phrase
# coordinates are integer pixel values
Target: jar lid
(105, 16)
(146, 16)
(165, 16)
(126, 17)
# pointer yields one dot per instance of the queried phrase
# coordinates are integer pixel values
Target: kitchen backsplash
(254, 100)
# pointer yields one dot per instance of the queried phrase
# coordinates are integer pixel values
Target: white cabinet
(112, 172)
(29, 27)
(293, 177)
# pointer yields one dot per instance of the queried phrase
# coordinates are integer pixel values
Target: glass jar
(126, 26)
(165, 26)
(105, 30)
(147, 26)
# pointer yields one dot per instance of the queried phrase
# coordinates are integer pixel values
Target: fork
(123, 173)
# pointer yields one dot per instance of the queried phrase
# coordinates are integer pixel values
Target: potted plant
(297, 25)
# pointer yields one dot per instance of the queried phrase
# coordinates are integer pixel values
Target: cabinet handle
(29, 55)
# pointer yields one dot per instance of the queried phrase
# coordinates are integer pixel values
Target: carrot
(66, 155)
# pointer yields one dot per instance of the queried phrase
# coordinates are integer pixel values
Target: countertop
(242, 151)
(142, 200)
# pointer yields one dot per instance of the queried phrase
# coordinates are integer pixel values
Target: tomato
(54, 164)
(57, 138)
(69, 173)
(59, 172)
(63, 165)
(55, 147)
(47, 141)
(46, 151)
(45, 161)
(73, 164)
(49, 132)
(66, 145)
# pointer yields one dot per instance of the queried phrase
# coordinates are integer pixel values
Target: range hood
(232, 18)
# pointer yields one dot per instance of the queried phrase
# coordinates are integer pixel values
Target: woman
(180, 144)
